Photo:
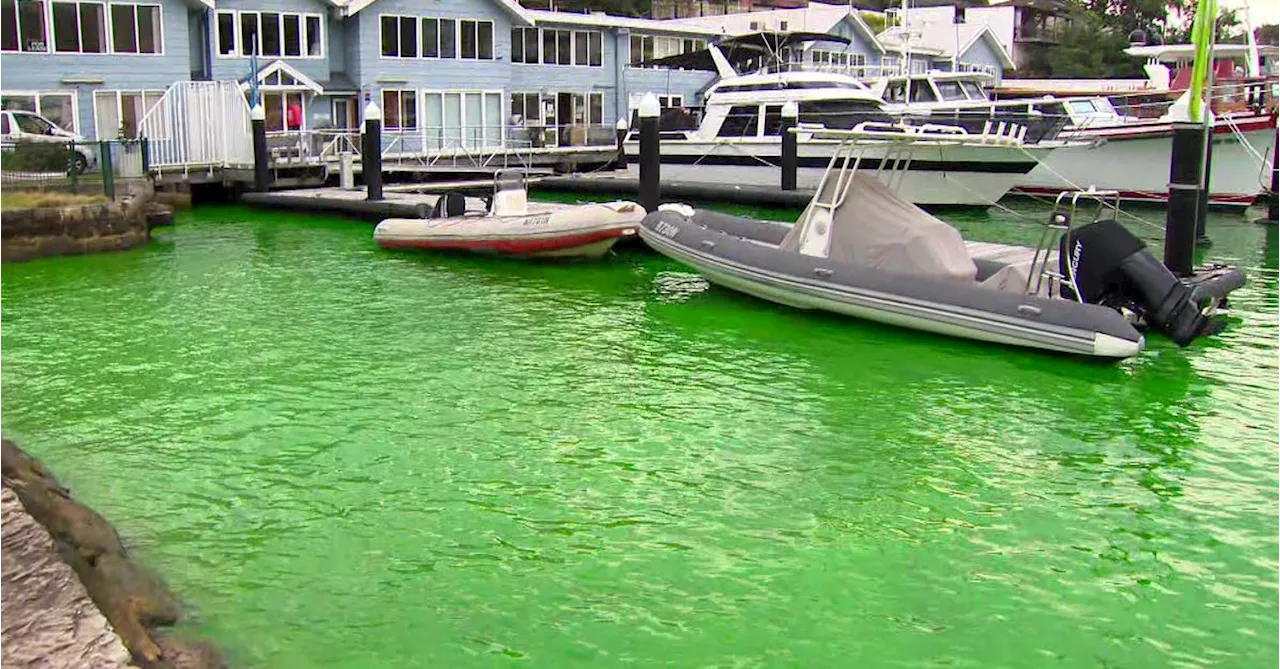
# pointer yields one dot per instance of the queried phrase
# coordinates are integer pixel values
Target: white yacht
(735, 136)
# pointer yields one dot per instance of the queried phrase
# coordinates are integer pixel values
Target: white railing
(199, 124)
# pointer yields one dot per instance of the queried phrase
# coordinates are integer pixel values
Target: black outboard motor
(1112, 267)
(449, 205)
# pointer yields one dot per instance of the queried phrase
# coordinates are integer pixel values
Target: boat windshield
(973, 90)
(950, 90)
(842, 114)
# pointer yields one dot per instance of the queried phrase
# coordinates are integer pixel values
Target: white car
(24, 126)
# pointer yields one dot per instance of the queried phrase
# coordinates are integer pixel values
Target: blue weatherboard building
(446, 73)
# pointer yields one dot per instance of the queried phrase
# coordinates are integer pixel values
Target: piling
(1184, 196)
(261, 158)
(790, 145)
(1202, 205)
(371, 153)
(108, 170)
(621, 161)
(650, 153)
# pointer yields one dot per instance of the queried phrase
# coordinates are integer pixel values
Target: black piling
(1184, 196)
(1202, 205)
(371, 152)
(650, 154)
(621, 161)
(108, 170)
(790, 146)
(261, 157)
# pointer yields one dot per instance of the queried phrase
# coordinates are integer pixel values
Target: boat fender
(449, 205)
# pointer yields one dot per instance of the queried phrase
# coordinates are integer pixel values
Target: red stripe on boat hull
(509, 245)
(1151, 130)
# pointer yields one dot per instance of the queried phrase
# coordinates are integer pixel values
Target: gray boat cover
(875, 228)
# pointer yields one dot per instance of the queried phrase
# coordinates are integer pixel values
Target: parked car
(18, 126)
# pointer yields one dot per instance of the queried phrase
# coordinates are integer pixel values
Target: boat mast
(905, 50)
(1252, 68)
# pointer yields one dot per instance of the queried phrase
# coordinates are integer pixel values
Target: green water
(344, 457)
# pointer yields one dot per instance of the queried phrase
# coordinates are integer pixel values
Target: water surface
(344, 457)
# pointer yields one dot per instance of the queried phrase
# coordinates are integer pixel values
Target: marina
(743, 333)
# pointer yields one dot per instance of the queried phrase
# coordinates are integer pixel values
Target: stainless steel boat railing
(1065, 209)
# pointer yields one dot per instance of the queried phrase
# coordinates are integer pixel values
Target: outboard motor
(1112, 267)
(449, 205)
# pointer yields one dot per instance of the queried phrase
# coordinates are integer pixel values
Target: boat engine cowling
(1113, 267)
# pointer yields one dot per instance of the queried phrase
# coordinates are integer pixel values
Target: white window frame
(111, 27)
(698, 43)
(107, 44)
(37, 94)
(457, 43)
(108, 23)
(504, 113)
(417, 36)
(119, 95)
(525, 32)
(575, 36)
(238, 34)
(412, 93)
(493, 46)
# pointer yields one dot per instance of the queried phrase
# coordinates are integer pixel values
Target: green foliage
(37, 157)
(1092, 48)
(875, 21)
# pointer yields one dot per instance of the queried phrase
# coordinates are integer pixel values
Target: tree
(1267, 34)
(1093, 48)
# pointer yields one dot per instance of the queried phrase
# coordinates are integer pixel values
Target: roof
(520, 14)
(817, 17)
(602, 20)
(948, 40)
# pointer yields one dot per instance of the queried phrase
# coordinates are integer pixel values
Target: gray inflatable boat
(861, 251)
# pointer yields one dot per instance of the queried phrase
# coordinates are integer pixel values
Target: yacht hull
(970, 176)
(1134, 160)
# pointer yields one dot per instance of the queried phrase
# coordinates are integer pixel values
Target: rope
(1073, 185)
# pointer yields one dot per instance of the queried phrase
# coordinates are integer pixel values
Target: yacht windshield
(973, 90)
(950, 90)
(842, 114)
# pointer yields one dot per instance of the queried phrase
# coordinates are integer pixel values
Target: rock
(131, 597)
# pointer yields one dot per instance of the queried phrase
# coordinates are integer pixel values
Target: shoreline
(92, 566)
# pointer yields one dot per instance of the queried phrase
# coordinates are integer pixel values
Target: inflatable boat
(860, 250)
(512, 226)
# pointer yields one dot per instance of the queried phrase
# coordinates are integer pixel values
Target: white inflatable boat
(514, 227)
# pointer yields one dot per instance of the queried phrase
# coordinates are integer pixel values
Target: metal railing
(86, 168)
(199, 124)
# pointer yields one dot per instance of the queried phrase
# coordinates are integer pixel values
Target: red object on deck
(293, 117)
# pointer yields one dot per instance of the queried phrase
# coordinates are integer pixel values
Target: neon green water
(343, 457)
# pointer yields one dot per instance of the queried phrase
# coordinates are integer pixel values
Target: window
(249, 34)
(399, 36)
(740, 122)
(5, 128)
(773, 120)
(226, 34)
(580, 48)
(525, 109)
(650, 47)
(276, 104)
(782, 25)
(518, 44)
(79, 27)
(32, 124)
(279, 34)
(448, 38)
(399, 109)
(468, 39)
(841, 114)
(564, 47)
(530, 41)
(135, 28)
(344, 113)
(896, 92)
(950, 90)
(463, 118)
(118, 113)
(974, 91)
(314, 36)
(595, 49)
(57, 106)
(22, 26)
